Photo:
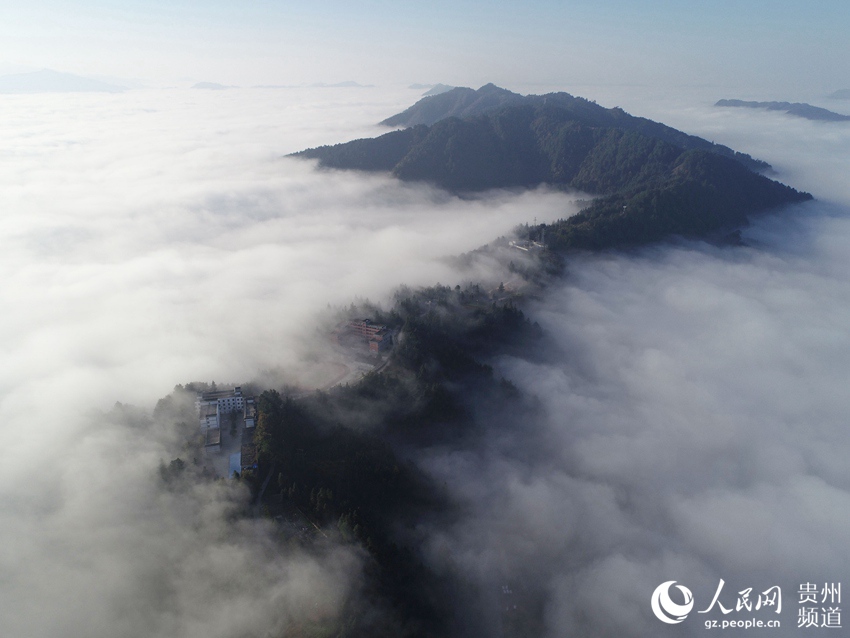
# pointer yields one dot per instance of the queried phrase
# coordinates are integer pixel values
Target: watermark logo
(819, 606)
(665, 609)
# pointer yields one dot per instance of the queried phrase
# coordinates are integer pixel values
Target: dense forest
(339, 456)
(653, 180)
(704, 195)
(462, 102)
(342, 460)
(341, 466)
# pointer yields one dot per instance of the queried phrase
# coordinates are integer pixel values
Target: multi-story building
(212, 439)
(227, 400)
(379, 337)
(211, 405)
(209, 416)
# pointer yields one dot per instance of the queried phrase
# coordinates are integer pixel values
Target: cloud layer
(694, 422)
(692, 428)
(158, 237)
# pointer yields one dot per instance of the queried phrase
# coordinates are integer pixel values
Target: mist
(159, 237)
(692, 421)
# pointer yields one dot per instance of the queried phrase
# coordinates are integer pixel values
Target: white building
(212, 440)
(211, 405)
(209, 416)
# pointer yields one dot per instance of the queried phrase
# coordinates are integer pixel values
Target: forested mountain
(465, 102)
(437, 89)
(460, 101)
(800, 109)
(336, 458)
(653, 180)
(702, 194)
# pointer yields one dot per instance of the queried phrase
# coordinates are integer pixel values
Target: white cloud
(694, 422)
(694, 429)
(158, 237)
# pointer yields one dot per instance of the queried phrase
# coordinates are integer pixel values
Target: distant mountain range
(841, 94)
(654, 180)
(432, 89)
(47, 81)
(799, 109)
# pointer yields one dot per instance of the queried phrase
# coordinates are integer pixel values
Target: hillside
(650, 186)
(703, 194)
(465, 102)
(798, 109)
(457, 102)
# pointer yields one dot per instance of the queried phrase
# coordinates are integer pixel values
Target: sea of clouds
(695, 425)
(158, 237)
(694, 428)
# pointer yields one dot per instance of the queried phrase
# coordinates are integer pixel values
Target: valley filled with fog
(696, 424)
(694, 411)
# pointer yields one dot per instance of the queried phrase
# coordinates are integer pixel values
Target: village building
(211, 405)
(377, 336)
(212, 440)
(209, 416)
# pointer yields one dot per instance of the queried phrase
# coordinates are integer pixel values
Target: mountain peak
(460, 101)
(653, 180)
(490, 87)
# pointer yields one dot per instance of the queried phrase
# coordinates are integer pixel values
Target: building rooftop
(212, 437)
(221, 394)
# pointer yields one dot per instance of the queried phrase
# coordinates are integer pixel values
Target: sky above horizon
(693, 406)
(779, 45)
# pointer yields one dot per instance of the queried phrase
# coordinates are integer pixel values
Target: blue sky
(726, 42)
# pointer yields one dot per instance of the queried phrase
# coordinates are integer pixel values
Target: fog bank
(693, 401)
(158, 237)
(695, 421)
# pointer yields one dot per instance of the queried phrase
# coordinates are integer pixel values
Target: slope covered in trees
(335, 454)
(702, 195)
(653, 180)
(464, 102)
(799, 109)
(343, 467)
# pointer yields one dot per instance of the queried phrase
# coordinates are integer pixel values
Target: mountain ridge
(464, 102)
(798, 109)
(650, 186)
